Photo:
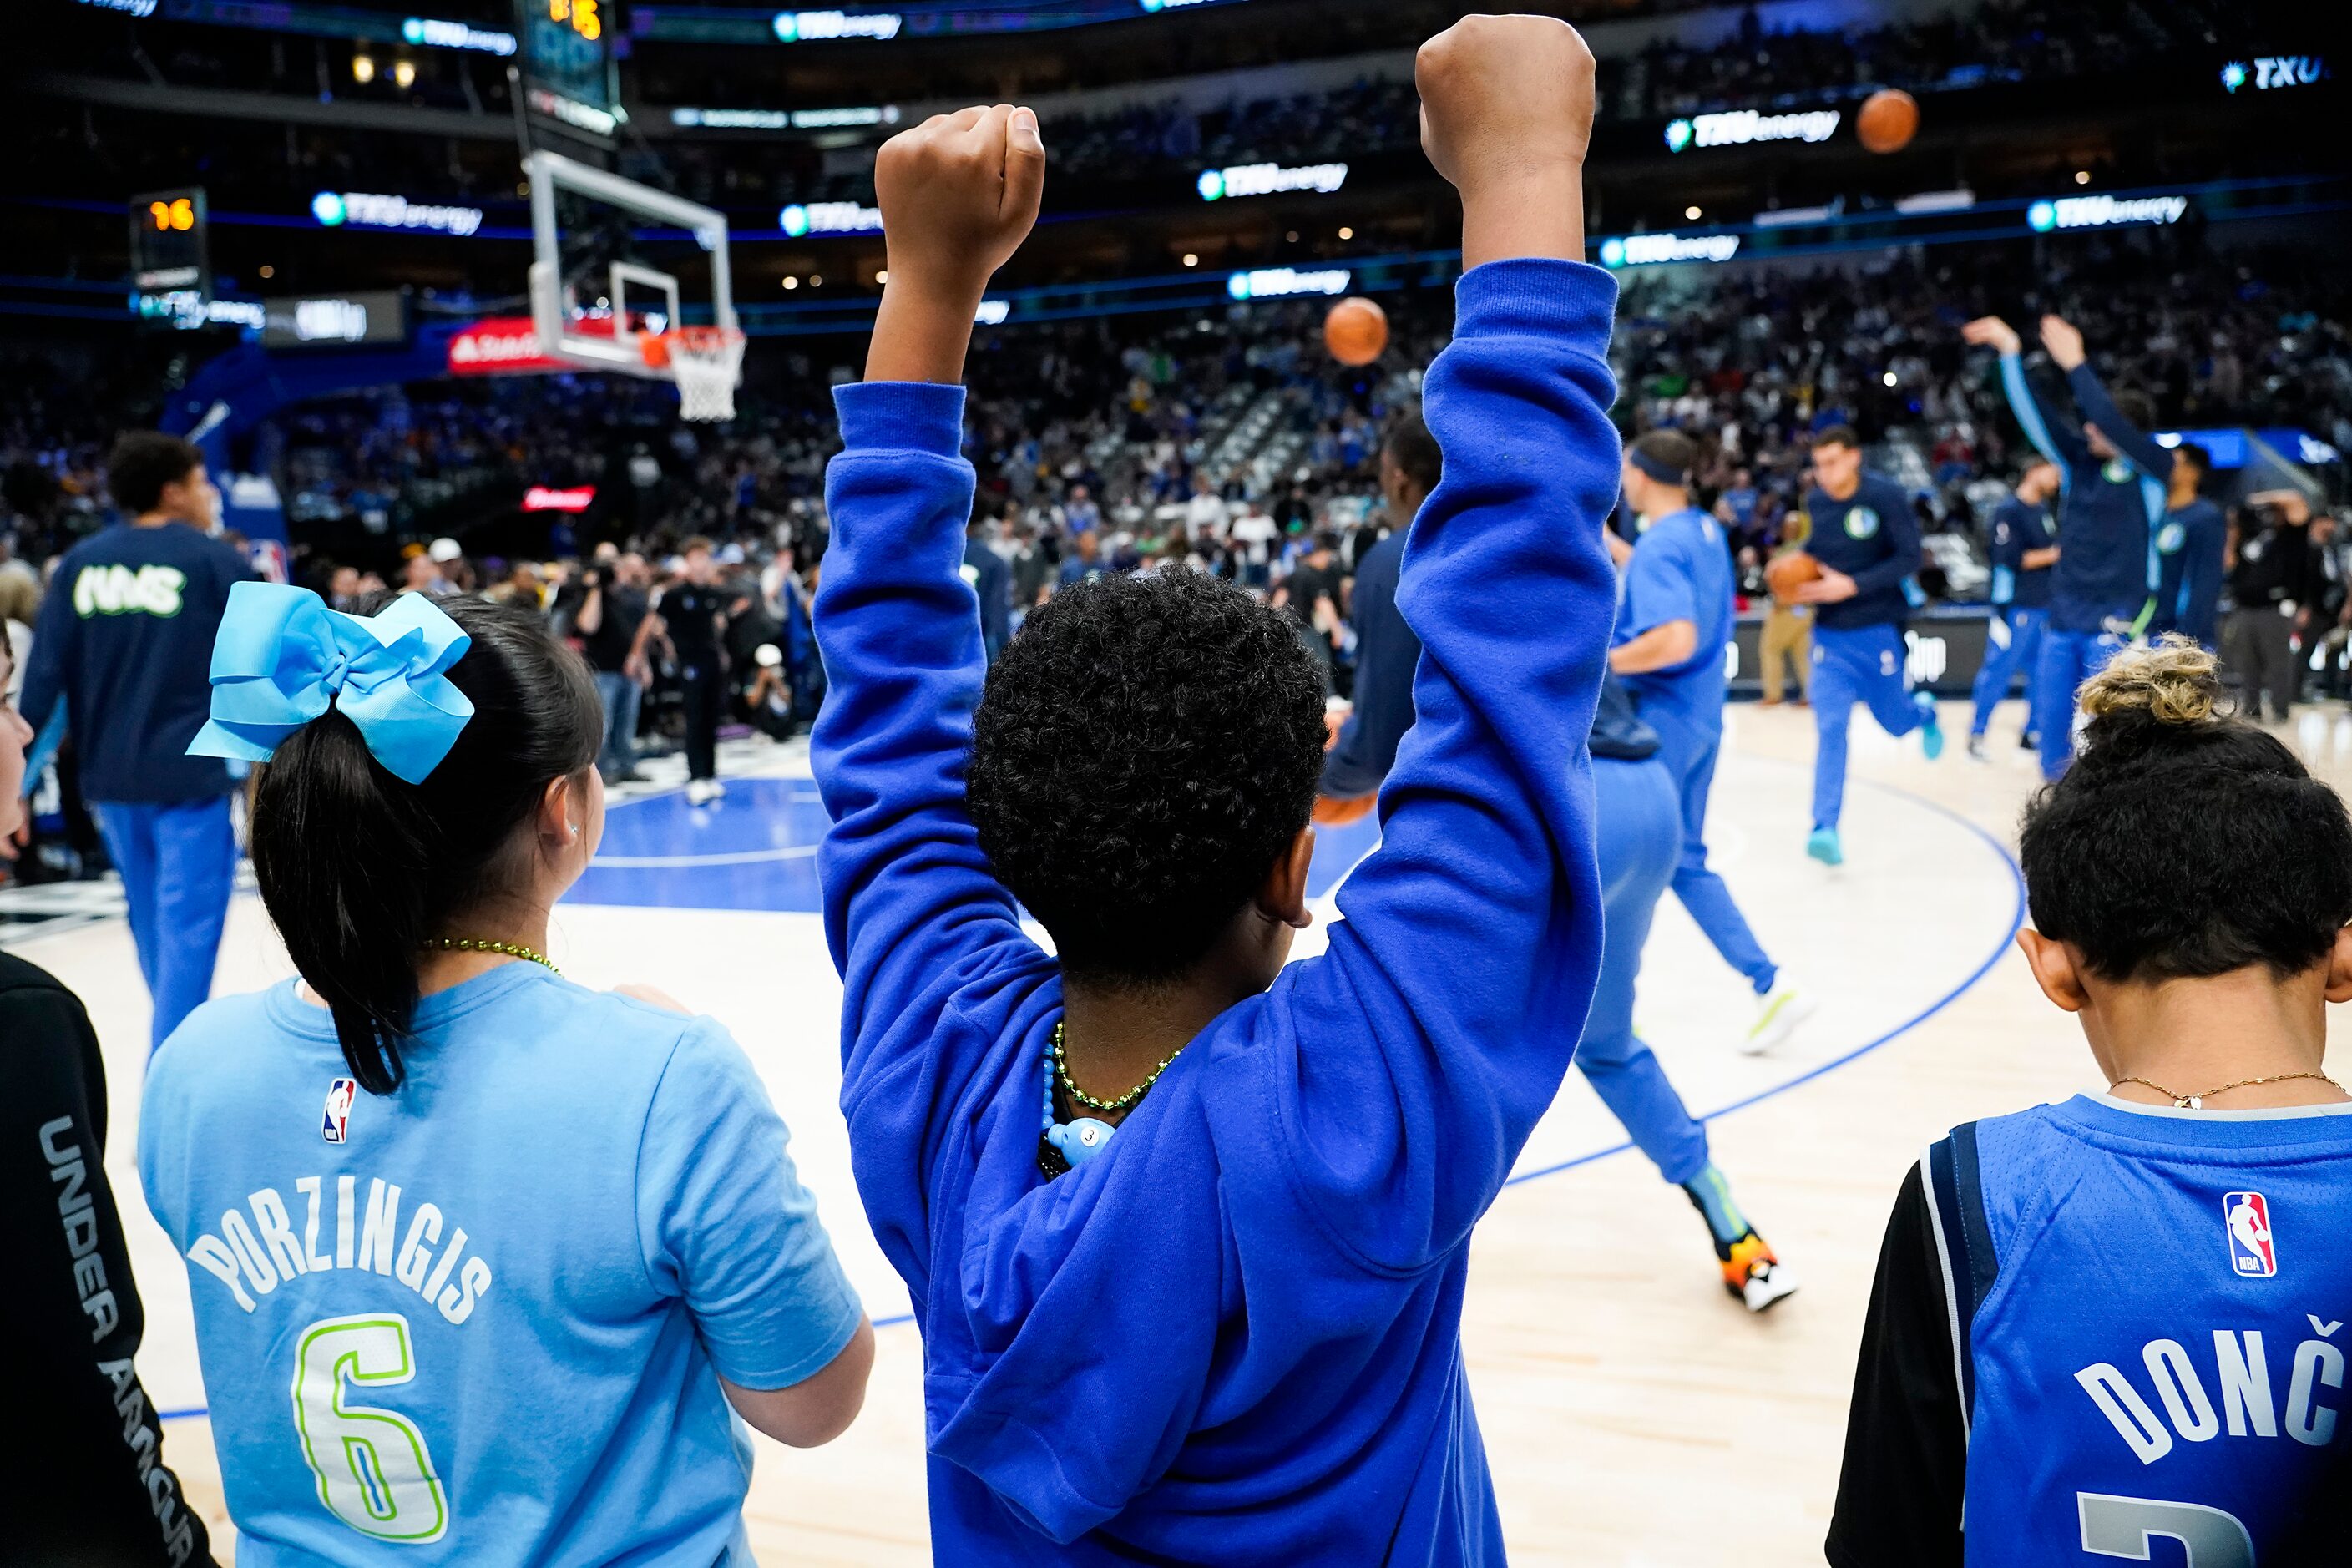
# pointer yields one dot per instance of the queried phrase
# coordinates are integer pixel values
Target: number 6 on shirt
(374, 1471)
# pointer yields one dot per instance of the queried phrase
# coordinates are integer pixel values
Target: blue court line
(2016, 923)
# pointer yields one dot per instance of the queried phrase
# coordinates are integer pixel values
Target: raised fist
(1504, 102)
(2065, 342)
(959, 193)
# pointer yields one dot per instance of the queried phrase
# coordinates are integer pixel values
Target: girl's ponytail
(360, 869)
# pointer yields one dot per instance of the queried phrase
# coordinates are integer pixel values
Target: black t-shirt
(690, 612)
(82, 1480)
(620, 611)
(1309, 583)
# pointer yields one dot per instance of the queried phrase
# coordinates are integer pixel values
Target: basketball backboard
(615, 262)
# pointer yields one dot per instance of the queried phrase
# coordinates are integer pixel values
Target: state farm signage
(501, 345)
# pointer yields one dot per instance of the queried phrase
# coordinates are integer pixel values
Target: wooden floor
(1632, 1413)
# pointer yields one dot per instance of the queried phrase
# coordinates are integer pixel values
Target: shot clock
(171, 269)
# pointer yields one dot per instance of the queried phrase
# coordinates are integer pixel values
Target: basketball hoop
(705, 361)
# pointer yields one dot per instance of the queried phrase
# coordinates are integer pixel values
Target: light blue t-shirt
(1680, 571)
(477, 1321)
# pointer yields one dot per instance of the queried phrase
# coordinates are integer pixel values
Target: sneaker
(716, 790)
(1931, 732)
(698, 791)
(1977, 749)
(1755, 1278)
(1823, 847)
(630, 775)
(1778, 1013)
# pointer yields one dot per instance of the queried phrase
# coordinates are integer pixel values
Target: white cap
(768, 656)
(444, 550)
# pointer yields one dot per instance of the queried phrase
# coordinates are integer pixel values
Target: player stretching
(2150, 1288)
(1674, 621)
(1867, 542)
(1187, 1229)
(2024, 549)
(2112, 482)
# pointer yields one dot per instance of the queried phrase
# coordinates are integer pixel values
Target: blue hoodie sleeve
(909, 901)
(2061, 445)
(1410, 1063)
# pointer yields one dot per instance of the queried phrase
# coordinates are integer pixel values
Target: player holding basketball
(2112, 484)
(1674, 618)
(1867, 541)
(2149, 1287)
(2024, 549)
(481, 1259)
(1186, 1230)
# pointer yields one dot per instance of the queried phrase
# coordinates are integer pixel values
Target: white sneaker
(1768, 1282)
(715, 790)
(698, 791)
(1778, 1013)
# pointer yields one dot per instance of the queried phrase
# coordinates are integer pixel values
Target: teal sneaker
(1823, 847)
(1931, 731)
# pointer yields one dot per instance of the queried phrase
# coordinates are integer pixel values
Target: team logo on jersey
(2247, 1217)
(1861, 522)
(2170, 538)
(2116, 471)
(335, 1127)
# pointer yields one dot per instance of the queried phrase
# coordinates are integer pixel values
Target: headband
(282, 658)
(1657, 469)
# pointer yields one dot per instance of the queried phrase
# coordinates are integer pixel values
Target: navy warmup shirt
(1872, 538)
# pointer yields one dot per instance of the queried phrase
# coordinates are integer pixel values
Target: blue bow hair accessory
(282, 658)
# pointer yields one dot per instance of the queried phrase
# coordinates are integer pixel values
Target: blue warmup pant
(2012, 643)
(178, 864)
(1687, 745)
(1858, 663)
(1638, 822)
(2068, 659)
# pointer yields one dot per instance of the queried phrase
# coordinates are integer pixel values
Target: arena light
(1654, 249)
(786, 119)
(2103, 212)
(991, 312)
(1280, 283)
(1270, 179)
(812, 26)
(365, 209)
(427, 32)
(2274, 71)
(1740, 127)
(829, 218)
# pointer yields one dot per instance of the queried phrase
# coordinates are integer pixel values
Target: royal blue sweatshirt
(125, 639)
(1872, 536)
(2019, 529)
(2107, 572)
(1234, 1336)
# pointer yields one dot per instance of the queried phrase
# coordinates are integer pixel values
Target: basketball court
(1633, 1414)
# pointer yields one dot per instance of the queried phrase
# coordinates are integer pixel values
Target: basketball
(1784, 574)
(1888, 121)
(1356, 331)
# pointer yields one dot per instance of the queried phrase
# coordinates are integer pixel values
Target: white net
(706, 362)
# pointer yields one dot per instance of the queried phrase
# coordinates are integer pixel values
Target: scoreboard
(567, 66)
(170, 271)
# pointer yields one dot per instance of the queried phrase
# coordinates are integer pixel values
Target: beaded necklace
(509, 949)
(1073, 1143)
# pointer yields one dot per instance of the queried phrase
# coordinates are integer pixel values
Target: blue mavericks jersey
(2158, 1311)
(1872, 536)
(2189, 545)
(1681, 571)
(2018, 528)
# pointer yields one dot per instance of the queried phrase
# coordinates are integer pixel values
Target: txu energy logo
(1678, 135)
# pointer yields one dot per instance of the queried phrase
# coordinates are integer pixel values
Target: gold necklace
(510, 949)
(2196, 1102)
(1062, 1070)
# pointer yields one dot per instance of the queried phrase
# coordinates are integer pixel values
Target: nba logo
(336, 1126)
(2247, 1217)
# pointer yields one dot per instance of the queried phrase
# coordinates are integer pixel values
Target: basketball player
(1674, 618)
(2148, 1287)
(123, 641)
(480, 1259)
(2024, 549)
(2190, 550)
(2112, 485)
(1187, 1230)
(1863, 532)
(1386, 649)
